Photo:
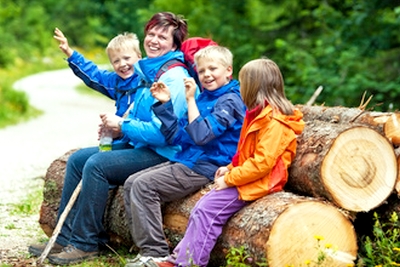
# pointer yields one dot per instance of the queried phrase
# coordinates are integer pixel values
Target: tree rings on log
(353, 166)
(306, 228)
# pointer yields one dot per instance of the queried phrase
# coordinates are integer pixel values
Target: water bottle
(105, 140)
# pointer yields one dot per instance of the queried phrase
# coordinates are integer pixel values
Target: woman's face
(159, 41)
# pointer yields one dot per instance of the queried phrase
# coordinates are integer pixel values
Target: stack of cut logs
(346, 164)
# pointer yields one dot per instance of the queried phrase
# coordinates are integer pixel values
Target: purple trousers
(205, 225)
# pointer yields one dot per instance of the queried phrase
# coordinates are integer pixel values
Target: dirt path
(69, 121)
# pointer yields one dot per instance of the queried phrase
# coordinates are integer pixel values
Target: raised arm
(64, 46)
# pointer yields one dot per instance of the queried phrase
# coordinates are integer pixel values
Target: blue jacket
(211, 140)
(106, 82)
(142, 127)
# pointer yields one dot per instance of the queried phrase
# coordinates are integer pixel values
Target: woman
(83, 233)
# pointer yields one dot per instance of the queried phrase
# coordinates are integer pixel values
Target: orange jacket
(267, 146)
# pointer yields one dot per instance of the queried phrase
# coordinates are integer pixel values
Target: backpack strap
(129, 91)
(169, 65)
(118, 93)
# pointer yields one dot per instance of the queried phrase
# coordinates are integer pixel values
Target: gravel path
(70, 120)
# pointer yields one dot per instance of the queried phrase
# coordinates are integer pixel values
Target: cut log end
(305, 230)
(392, 128)
(361, 168)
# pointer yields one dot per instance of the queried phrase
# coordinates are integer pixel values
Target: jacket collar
(147, 68)
(232, 86)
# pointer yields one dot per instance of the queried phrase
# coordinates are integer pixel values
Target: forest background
(349, 47)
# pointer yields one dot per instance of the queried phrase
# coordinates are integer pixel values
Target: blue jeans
(83, 227)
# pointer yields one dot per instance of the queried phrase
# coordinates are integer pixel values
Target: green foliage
(348, 47)
(383, 248)
(238, 257)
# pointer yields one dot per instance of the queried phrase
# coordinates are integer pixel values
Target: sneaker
(38, 249)
(145, 261)
(70, 255)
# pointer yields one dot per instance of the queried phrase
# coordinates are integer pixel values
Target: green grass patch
(31, 204)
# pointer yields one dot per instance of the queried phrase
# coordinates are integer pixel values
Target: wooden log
(280, 228)
(260, 227)
(392, 128)
(344, 115)
(387, 123)
(353, 166)
(53, 184)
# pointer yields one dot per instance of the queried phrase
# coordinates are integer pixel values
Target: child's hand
(190, 87)
(59, 36)
(220, 184)
(221, 172)
(160, 92)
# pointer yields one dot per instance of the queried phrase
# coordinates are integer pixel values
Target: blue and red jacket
(210, 141)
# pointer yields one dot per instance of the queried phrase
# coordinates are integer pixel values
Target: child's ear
(229, 71)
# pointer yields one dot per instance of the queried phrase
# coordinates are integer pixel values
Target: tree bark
(344, 115)
(53, 184)
(353, 166)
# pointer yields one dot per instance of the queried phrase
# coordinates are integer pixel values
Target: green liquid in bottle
(105, 147)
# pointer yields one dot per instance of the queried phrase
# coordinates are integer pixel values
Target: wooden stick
(60, 222)
(315, 95)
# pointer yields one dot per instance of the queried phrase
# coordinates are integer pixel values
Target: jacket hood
(294, 121)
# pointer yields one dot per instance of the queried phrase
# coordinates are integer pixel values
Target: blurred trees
(347, 46)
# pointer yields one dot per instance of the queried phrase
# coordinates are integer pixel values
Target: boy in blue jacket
(121, 84)
(208, 135)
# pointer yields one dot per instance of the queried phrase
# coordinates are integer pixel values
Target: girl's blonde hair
(261, 80)
(124, 41)
(216, 53)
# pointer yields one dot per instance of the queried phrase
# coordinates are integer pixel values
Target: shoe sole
(38, 252)
(58, 261)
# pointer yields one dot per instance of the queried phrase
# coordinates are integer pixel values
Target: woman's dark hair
(167, 19)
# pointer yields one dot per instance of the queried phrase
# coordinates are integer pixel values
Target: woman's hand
(59, 36)
(111, 121)
(160, 92)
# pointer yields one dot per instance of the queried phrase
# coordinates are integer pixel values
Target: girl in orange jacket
(266, 148)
